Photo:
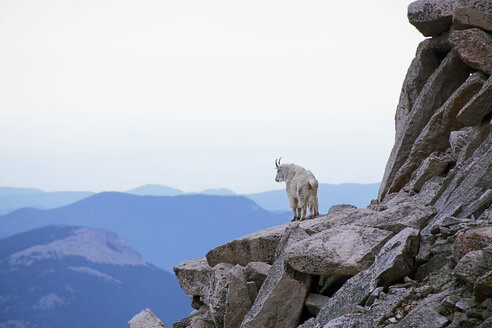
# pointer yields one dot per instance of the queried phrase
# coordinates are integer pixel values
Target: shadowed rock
(478, 107)
(281, 298)
(238, 301)
(394, 261)
(450, 74)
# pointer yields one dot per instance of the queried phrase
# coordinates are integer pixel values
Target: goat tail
(313, 183)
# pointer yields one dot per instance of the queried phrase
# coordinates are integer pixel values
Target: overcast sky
(195, 94)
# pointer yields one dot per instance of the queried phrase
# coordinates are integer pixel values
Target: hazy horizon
(198, 95)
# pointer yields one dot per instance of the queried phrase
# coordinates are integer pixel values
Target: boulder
(483, 287)
(468, 180)
(465, 18)
(238, 301)
(393, 262)
(434, 138)
(257, 272)
(431, 17)
(281, 297)
(335, 209)
(258, 246)
(478, 107)
(425, 314)
(200, 318)
(473, 265)
(398, 217)
(145, 319)
(370, 316)
(194, 276)
(472, 240)
(432, 166)
(450, 74)
(215, 297)
(340, 251)
(314, 302)
(474, 47)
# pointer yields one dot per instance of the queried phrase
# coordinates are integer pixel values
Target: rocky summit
(420, 255)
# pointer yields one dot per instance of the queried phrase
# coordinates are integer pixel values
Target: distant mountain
(155, 190)
(64, 276)
(356, 194)
(14, 198)
(164, 230)
(218, 192)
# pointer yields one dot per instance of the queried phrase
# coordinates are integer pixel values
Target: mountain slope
(65, 276)
(356, 194)
(15, 198)
(159, 228)
(154, 190)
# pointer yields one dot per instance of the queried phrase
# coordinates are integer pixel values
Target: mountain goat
(301, 188)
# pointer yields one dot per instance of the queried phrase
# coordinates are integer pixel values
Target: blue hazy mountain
(14, 198)
(155, 190)
(65, 276)
(218, 192)
(164, 230)
(356, 194)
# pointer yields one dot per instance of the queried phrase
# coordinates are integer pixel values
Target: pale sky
(195, 94)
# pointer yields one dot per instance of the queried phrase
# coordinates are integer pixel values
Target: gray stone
(369, 317)
(433, 17)
(394, 261)
(198, 279)
(238, 301)
(425, 314)
(467, 181)
(465, 18)
(472, 240)
(474, 47)
(341, 251)
(257, 272)
(252, 290)
(194, 276)
(258, 246)
(281, 297)
(486, 324)
(311, 323)
(432, 166)
(464, 304)
(483, 287)
(340, 208)
(200, 318)
(458, 140)
(399, 217)
(434, 138)
(216, 295)
(473, 265)
(450, 74)
(145, 319)
(314, 302)
(478, 107)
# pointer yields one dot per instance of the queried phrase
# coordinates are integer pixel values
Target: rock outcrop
(419, 255)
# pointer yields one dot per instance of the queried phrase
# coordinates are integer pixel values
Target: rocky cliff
(418, 256)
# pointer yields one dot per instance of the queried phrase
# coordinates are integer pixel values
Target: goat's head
(278, 167)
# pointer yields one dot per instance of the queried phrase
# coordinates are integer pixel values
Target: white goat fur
(301, 189)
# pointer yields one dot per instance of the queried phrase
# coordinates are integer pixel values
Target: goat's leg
(294, 214)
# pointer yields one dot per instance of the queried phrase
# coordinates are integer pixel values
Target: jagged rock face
(145, 319)
(418, 256)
